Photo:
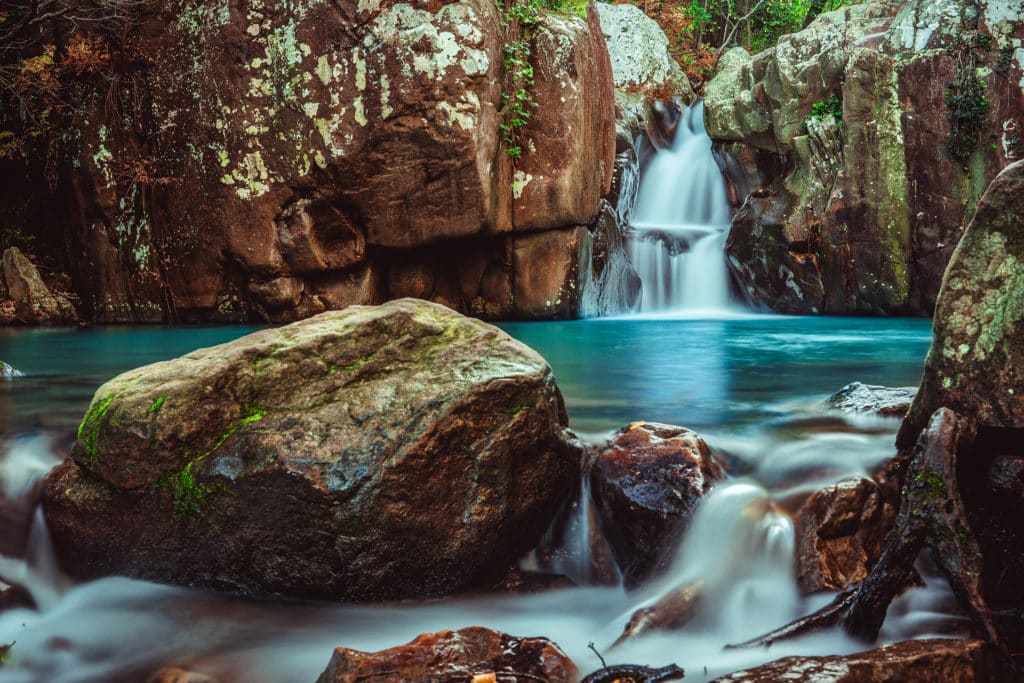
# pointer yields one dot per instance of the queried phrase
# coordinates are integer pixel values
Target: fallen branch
(673, 610)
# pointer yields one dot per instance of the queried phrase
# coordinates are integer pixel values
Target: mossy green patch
(934, 486)
(156, 405)
(92, 423)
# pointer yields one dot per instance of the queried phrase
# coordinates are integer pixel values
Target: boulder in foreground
(371, 453)
(469, 654)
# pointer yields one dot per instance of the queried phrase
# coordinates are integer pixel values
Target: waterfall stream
(679, 224)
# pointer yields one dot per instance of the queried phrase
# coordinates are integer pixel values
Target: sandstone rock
(976, 362)
(840, 531)
(469, 654)
(861, 214)
(547, 272)
(646, 483)
(33, 300)
(638, 50)
(857, 397)
(365, 454)
(937, 660)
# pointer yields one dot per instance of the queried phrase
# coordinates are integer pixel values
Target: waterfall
(679, 225)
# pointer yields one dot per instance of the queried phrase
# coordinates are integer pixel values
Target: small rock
(646, 483)
(8, 372)
(173, 674)
(470, 654)
(866, 398)
(840, 531)
(938, 660)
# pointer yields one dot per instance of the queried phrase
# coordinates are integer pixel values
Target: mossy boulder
(976, 362)
(372, 453)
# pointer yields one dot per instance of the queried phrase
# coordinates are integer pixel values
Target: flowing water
(752, 386)
(679, 224)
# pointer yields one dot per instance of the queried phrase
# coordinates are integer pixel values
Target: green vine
(965, 95)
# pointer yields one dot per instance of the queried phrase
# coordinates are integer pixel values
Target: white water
(679, 225)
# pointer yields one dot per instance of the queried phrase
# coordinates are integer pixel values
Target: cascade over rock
(859, 213)
(276, 162)
(372, 453)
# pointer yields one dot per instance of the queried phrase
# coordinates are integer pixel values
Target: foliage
(966, 100)
(833, 107)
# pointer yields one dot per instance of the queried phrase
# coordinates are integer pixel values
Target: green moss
(358, 364)
(156, 405)
(518, 409)
(934, 486)
(89, 429)
(188, 493)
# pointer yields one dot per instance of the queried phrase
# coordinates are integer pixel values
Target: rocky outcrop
(646, 484)
(976, 362)
(469, 654)
(854, 182)
(938, 660)
(32, 301)
(277, 162)
(857, 397)
(839, 532)
(372, 453)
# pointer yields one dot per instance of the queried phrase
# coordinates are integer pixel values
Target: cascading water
(679, 225)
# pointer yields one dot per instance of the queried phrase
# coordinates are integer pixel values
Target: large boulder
(976, 362)
(864, 181)
(372, 453)
(469, 654)
(945, 660)
(646, 483)
(34, 303)
(277, 162)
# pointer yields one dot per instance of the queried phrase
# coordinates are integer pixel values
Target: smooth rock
(646, 484)
(840, 531)
(371, 453)
(857, 397)
(935, 661)
(469, 654)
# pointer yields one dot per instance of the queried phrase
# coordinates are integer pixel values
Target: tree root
(931, 515)
(631, 673)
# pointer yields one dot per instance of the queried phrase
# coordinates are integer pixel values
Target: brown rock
(646, 483)
(371, 453)
(547, 276)
(468, 655)
(840, 531)
(173, 674)
(34, 303)
(935, 661)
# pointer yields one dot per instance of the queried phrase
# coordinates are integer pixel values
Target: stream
(751, 385)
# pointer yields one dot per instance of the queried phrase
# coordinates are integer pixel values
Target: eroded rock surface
(469, 654)
(33, 302)
(857, 397)
(376, 452)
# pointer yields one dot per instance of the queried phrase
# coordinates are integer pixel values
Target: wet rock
(372, 453)
(8, 372)
(866, 203)
(867, 398)
(469, 654)
(33, 301)
(173, 674)
(840, 531)
(976, 362)
(937, 660)
(646, 483)
(15, 597)
(547, 272)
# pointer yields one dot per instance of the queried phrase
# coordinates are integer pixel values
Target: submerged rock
(646, 484)
(173, 674)
(7, 371)
(935, 661)
(470, 654)
(868, 398)
(839, 532)
(372, 453)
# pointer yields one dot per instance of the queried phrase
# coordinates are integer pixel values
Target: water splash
(679, 225)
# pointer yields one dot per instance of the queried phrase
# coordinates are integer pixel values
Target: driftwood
(931, 515)
(673, 610)
(629, 673)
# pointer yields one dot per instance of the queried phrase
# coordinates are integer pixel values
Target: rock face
(857, 397)
(469, 654)
(840, 531)
(372, 453)
(939, 660)
(34, 303)
(283, 160)
(855, 182)
(976, 362)
(646, 484)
